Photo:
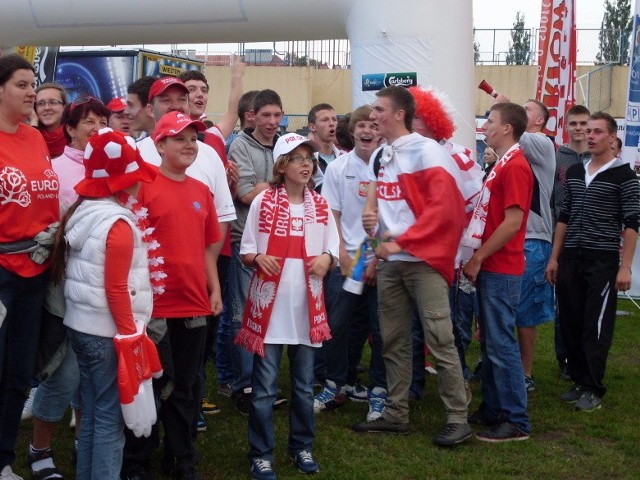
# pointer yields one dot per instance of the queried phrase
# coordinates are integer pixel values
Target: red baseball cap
(116, 105)
(173, 123)
(159, 86)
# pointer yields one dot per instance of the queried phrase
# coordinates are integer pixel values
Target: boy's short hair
(311, 117)
(612, 125)
(514, 115)
(401, 99)
(344, 137)
(266, 97)
(360, 114)
(543, 108)
(193, 75)
(578, 110)
(245, 104)
(141, 88)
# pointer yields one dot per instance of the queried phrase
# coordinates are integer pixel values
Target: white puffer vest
(86, 233)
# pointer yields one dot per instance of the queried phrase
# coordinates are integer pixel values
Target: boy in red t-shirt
(182, 213)
(500, 220)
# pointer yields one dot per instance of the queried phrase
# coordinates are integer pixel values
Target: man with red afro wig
(434, 119)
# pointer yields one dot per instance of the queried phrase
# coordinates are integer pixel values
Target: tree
(615, 32)
(520, 45)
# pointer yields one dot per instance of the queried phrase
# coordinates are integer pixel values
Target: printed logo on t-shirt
(362, 189)
(196, 206)
(15, 188)
(389, 191)
(297, 229)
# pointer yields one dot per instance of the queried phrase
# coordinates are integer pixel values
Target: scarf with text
(472, 236)
(273, 239)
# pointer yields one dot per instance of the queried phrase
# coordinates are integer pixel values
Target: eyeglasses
(81, 101)
(299, 158)
(48, 103)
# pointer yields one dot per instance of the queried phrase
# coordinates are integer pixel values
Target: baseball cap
(159, 86)
(116, 105)
(173, 123)
(290, 141)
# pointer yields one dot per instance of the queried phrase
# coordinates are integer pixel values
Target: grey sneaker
(382, 425)
(504, 432)
(588, 402)
(572, 395)
(453, 434)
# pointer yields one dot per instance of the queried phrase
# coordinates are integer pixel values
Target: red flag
(557, 63)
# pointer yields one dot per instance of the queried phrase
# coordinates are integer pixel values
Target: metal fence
(492, 45)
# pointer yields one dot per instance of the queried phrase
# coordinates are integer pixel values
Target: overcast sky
(502, 13)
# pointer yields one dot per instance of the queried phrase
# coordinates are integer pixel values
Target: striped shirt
(595, 215)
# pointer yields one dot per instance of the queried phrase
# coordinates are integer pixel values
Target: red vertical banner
(557, 63)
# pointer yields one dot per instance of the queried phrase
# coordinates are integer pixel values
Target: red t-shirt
(28, 195)
(512, 186)
(185, 222)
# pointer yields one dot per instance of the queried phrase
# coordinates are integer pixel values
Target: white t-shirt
(289, 323)
(345, 185)
(207, 168)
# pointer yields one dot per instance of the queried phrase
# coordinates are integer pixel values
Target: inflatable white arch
(392, 42)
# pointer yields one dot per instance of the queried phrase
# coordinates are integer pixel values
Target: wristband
(626, 266)
(330, 256)
(254, 259)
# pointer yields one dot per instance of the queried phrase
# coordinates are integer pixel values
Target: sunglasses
(81, 101)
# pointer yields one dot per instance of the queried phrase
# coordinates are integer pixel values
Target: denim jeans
(238, 287)
(351, 319)
(462, 306)
(23, 298)
(503, 389)
(265, 388)
(101, 436)
(58, 390)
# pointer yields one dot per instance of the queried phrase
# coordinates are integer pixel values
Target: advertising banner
(557, 63)
(43, 59)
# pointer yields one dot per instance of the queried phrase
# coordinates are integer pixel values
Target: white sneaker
(7, 474)
(27, 410)
(72, 422)
(377, 400)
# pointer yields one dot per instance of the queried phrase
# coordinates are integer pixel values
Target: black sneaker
(34, 456)
(573, 395)
(588, 402)
(481, 418)
(242, 400)
(382, 425)
(564, 371)
(279, 401)
(504, 432)
(529, 384)
(140, 472)
(453, 434)
(186, 472)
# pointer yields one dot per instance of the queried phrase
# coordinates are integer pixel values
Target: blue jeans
(265, 389)
(56, 392)
(348, 311)
(23, 298)
(238, 288)
(462, 306)
(503, 389)
(101, 430)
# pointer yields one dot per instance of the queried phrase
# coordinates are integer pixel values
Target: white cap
(290, 141)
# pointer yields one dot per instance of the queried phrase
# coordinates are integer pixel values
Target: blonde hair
(277, 177)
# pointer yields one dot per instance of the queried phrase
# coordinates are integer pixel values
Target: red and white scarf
(273, 239)
(473, 234)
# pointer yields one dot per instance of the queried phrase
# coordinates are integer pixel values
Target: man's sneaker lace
(377, 399)
(262, 469)
(304, 462)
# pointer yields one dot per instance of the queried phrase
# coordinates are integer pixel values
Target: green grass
(564, 445)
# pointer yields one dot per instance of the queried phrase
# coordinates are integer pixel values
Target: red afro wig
(434, 111)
